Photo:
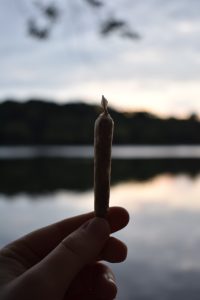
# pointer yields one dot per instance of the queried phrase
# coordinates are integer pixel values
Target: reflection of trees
(38, 176)
(42, 16)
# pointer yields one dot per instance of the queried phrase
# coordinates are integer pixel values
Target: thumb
(59, 268)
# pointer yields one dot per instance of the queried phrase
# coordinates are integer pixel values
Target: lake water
(118, 152)
(161, 195)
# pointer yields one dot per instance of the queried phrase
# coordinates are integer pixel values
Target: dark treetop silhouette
(43, 123)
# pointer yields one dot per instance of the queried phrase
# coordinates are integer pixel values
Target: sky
(159, 73)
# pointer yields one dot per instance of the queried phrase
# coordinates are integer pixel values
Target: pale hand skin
(60, 261)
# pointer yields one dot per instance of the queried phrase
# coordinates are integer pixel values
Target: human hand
(60, 261)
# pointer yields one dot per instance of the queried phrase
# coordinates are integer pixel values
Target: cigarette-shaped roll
(103, 135)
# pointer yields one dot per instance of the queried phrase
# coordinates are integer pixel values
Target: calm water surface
(118, 152)
(163, 235)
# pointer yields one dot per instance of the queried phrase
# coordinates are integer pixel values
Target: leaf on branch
(95, 3)
(112, 25)
(51, 12)
(35, 31)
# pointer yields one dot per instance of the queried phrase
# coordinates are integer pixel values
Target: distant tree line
(38, 122)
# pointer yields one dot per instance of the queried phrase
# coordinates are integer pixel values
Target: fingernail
(112, 284)
(97, 227)
(110, 277)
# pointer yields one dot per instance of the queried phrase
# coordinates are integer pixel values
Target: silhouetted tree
(41, 122)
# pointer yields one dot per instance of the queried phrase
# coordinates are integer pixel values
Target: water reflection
(176, 191)
(118, 151)
(163, 236)
(44, 175)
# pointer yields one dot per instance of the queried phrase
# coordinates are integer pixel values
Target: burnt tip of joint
(104, 104)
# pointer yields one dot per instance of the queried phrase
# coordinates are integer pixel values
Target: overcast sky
(160, 72)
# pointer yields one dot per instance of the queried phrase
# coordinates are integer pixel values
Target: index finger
(44, 240)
